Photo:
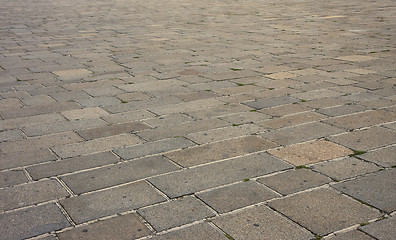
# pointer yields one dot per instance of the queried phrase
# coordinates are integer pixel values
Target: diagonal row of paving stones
(197, 119)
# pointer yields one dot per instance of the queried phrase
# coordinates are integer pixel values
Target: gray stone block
(11, 178)
(383, 229)
(196, 232)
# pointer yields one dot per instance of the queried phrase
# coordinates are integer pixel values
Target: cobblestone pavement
(198, 120)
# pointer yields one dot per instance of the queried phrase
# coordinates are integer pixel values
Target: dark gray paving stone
(352, 235)
(260, 223)
(196, 232)
(175, 213)
(32, 222)
(301, 133)
(236, 196)
(384, 157)
(383, 229)
(294, 181)
(319, 210)
(376, 189)
(342, 110)
(25, 158)
(118, 174)
(217, 174)
(111, 130)
(30, 193)
(11, 178)
(111, 201)
(125, 227)
(270, 102)
(71, 164)
(150, 148)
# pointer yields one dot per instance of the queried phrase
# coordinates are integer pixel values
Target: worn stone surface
(25, 158)
(352, 235)
(111, 130)
(383, 229)
(363, 119)
(384, 157)
(196, 232)
(270, 102)
(10, 178)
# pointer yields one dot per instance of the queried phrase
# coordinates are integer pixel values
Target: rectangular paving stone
(111, 130)
(291, 120)
(245, 117)
(186, 106)
(99, 101)
(145, 104)
(326, 102)
(123, 227)
(10, 135)
(69, 165)
(30, 193)
(217, 111)
(301, 133)
(270, 102)
(96, 145)
(195, 232)
(383, 229)
(128, 116)
(37, 110)
(111, 201)
(384, 157)
(294, 181)
(29, 121)
(70, 95)
(72, 73)
(364, 119)
(375, 189)
(319, 210)
(32, 222)
(94, 112)
(10, 103)
(317, 94)
(11, 178)
(175, 213)
(342, 110)
(150, 148)
(236, 196)
(217, 174)
(117, 174)
(287, 109)
(38, 100)
(366, 139)
(352, 235)
(260, 222)
(19, 159)
(168, 120)
(37, 143)
(219, 150)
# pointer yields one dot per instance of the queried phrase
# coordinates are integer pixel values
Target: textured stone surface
(25, 158)
(383, 229)
(112, 130)
(352, 235)
(196, 232)
(384, 157)
(10, 178)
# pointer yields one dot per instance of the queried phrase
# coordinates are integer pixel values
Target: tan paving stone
(10, 103)
(291, 120)
(10, 135)
(356, 58)
(31, 120)
(37, 110)
(281, 75)
(195, 232)
(287, 109)
(128, 116)
(364, 119)
(72, 73)
(112, 130)
(94, 112)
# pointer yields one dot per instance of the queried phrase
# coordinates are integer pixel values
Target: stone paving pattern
(181, 119)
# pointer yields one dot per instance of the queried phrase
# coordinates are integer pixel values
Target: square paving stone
(111, 201)
(352, 235)
(364, 119)
(10, 178)
(294, 181)
(197, 232)
(236, 196)
(260, 223)
(383, 229)
(270, 102)
(376, 189)
(32, 222)
(310, 152)
(366, 139)
(319, 210)
(345, 168)
(125, 227)
(384, 157)
(175, 213)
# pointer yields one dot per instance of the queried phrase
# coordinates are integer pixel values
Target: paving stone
(37, 143)
(128, 116)
(25, 158)
(94, 112)
(384, 157)
(175, 213)
(364, 119)
(38, 100)
(300, 133)
(71, 165)
(49, 237)
(260, 223)
(383, 229)
(375, 189)
(111, 201)
(32, 222)
(70, 96)
(281, 75)
(283, 110)
(352, 235)
(236, 196)
(111, 130)
(182, 129)
(345, 168)
(195, 232)
(31, 193)
(291, 120)
(245, 117)
(72, 73)
(326, 102)
(186, 106)
(366, 139)
(196, 96)
(294, 181)
(217, 174)
(168, 120)
(152, 85)
(356, 58)
(32, 120)
(342, 110)
(317, 94)
(11, 178)
(220, 150)
(217, 111)
(150, 148)
(99, 101)
(10, 135)
(134, 96)
(117, 174)
(270, 102)
(10, 103)
(103, 91)
(319, 210)
(36, 110)
(121, 227)
(96, 145)
(362, 97)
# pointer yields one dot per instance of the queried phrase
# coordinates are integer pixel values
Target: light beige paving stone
(317, 94)
(195, 232)
(310, 152)
(352, 235)
(197, 95)
(291, 120)
(356, 58)
(101, 101)
(319, 210)
(37, 110)
(384, 157)
(96, 145)
(237, 90)
(111, 201)
(294, 181)
(287, 109)
(94, 112)
(128, 116)
(281, 75)
(364, 119)
(326, 102)
(175, 213)
(103, 91)
(38, 100)
(144, 104)
(186, 106)
(342, 110)
(10, 178)
(31, 193)
(32, 222)
(245, 117)
(72, 73)
(345, 168)
(31, 120)
(25, 158)
(260, 223)
(112, 130)
(217, 111)
(168, 120)
(121, 227)
(383, 229)
(10, 135)
(10, 103)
